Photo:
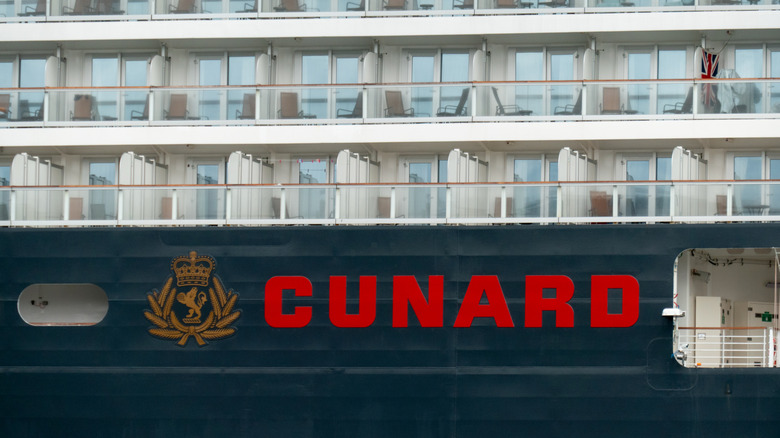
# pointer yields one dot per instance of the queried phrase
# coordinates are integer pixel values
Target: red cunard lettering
(366, 302)
(301, 287)
(535, 303)
(599, 300)
(496, 307)
(406, 291)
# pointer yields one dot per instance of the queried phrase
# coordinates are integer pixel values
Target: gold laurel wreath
(216, 325)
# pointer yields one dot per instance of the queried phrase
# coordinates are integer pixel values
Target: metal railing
(356, 204)
(86, 10)
(393, 103)
(725, 347)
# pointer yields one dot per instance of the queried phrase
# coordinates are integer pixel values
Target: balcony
(102, 10)
(693, 99)
(361, 204)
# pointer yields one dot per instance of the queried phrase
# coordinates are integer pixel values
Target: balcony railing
(83, 10)
(725, 347)
(353, 204)
(392, 103)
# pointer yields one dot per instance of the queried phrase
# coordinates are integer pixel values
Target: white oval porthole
(58, 304)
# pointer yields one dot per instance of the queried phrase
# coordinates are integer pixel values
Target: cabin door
(207, 203)
(102, 203)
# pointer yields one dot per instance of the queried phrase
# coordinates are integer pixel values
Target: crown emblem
(193, 270)
(202, 294)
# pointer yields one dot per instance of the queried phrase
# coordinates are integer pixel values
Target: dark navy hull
(114, 379)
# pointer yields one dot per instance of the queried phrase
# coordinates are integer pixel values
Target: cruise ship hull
(115, 379)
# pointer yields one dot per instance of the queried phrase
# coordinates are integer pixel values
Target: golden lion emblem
(205, 289)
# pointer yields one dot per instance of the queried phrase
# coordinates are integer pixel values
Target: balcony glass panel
(254, 202)
(737, 97)
(365, 202)
(478, 201)
(21, 106)
(147, 203)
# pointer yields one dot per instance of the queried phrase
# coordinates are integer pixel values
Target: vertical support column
(503, 202)
(174, 205)
(150, 110)
(729, 197)
(65, 206)
(120, 204)
(615, 202)
(448, 202)
(337, 207)
(12, 207)
(228, 203)
(283, 205)
(559, 201)
(672, 197)
(392, 203)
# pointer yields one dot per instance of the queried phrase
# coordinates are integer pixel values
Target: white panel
(233, 168)
(588, 64)
(156, 67)
(52, 78)
(18, 165)
(369, 68)
(263, 69)
(478, 66)
(342, 167)
(677, 163)
(564, 165)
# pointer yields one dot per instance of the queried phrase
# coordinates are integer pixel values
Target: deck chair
(455, 110)
(395, 105)
(25, 114)
(288, 107)
(5, 106)
(555, 3)
(80, 7)
(82, 108)
(39, 9)
(570, 110)
(183, 7)
(611, 101)
(138, 115)
(721, 204)
(357, 111)
(463, 4)
(106, 7)
(250, 7)
(684, 107)
(394, 5)
(290, 6)
(600, 203)
(356, 6)
(506, 4)
(248, 108)
(177, 109)
(383, 208)
(497, 208)
(508, 110)
(276, 206)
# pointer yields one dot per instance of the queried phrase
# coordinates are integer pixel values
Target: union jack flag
(709, 70)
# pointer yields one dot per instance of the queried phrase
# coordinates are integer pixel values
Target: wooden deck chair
(5, 106)
(455, 110)
(555, 3)
(82, 107)
(248, 108)
(357, 110)
(250, 7)
(183, 7)
(39, 9)
(497, 208)
(395, 105)
(600, 204)
(290, 6)
(138, 115)
(611, 101)
(80, 7)
(177, 110)
(356, 6)
(288, 107)
(76, 209)
(508, 110)
(506, 4)
(394, 5)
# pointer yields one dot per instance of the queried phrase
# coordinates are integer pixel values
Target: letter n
(406, 291)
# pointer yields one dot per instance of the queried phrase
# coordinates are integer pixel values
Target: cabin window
(437, 66)
(758, 198)
(729, 297)
(61, 304)
(545, 65)
(330, 68)
(531, 201)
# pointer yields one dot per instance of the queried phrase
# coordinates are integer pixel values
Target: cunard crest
(197, 306)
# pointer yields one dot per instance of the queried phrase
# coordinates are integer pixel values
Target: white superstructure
(387, 111)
